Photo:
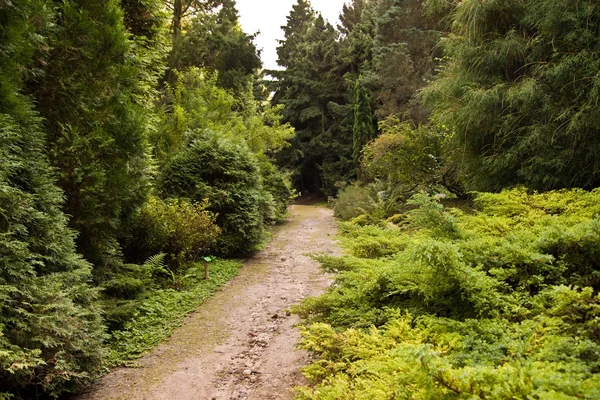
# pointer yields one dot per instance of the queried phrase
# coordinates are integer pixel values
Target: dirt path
(240, 344)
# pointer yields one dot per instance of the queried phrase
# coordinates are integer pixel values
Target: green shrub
(227, 174)
(431, 358)
(279, 185)
(182, 230)
(397, 219)
(411, 158)
(353, 201)
(371, 241)
(51, 330)
(429, 214)
(498, 303)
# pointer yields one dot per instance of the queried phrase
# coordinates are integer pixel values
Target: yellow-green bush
(182, 230)
(500, 303)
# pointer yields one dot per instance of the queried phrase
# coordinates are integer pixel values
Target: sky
(267, 16)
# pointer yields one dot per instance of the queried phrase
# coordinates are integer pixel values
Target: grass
(163, 312)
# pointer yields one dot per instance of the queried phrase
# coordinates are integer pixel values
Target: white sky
(267, 16)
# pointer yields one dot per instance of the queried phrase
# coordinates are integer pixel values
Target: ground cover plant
(158, 315)
(501, 302)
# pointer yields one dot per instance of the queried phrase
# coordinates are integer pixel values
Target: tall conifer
(96, 122)
(50, 327)
(363, 129)
(311, 88)
(520, 94)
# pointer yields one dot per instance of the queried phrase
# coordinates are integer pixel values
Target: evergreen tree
(311, 89)
(520, 93)
(215, 41)
(405, 47)
(363, 130)
(147, 22)
(94, 104)
(50, 327)
(357, 31)
(299, 21)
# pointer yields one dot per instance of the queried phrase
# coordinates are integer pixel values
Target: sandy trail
(240, 344)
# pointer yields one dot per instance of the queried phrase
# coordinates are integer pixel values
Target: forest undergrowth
(500, 302)
(157, 316)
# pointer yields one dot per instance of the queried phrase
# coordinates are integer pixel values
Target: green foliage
(51, 332)
(184, 231)
(519, 93)
(497, 303)
(312, 89)
(432, 358)
(83, 87)
(352, 202)
(379, 200)
(198, 104)
(371, 241)
(277, 184)
(357, 29)
(430, 214)
(163, 311)
(93, 96)
(411, 158)
(404, 57)
(214, 40)
(363, 130)
(226, 174)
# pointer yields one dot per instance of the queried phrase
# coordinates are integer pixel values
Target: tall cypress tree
(50, 327)
(363, 130)
(405, 50)
(357, 29)
(299, 21)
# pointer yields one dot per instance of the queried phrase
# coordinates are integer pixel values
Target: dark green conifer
(50, 327)
(311, 89)
(405, 49)
(95, 108)
(363, 130)
(357, 29)
(299, 21)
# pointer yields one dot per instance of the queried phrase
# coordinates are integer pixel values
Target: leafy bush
(412, 159)
(227, 174)
(279, 185)
(430, 358)
(182, 230)
(498, 303)
(352, 202)
(371, 241)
